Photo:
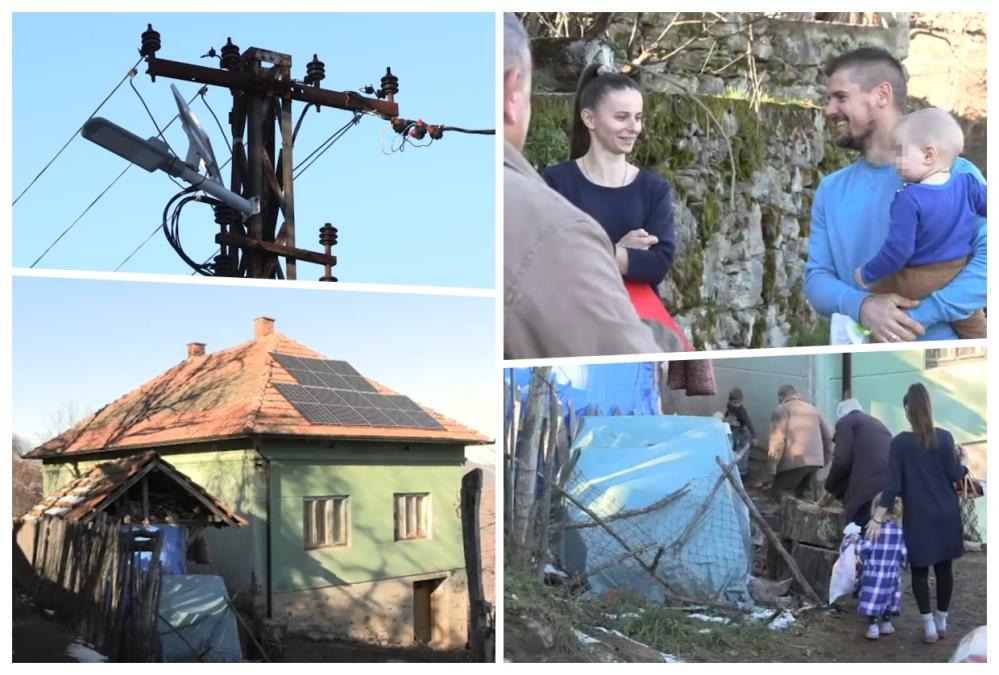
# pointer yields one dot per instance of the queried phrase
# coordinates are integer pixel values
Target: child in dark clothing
(742, 427)
(881, 563)
(934, 216)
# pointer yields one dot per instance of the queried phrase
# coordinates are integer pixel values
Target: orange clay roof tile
(225, 394)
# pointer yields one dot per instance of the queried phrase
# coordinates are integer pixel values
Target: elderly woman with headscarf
(860, 460)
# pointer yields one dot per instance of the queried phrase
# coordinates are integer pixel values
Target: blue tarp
(628, 387)
(627, 463)
(173, 555)
(197, 608)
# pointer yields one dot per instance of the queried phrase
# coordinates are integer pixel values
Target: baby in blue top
(934, 216)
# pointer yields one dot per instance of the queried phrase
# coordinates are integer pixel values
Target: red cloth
(650, 307)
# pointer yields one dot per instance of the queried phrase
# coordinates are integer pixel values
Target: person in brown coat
(860, 461)
(563, 294)
(800, 445)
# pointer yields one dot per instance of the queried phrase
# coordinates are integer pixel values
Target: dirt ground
(839, 636)
(304, 651)
(36, 637)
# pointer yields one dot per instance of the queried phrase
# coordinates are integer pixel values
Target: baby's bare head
(931, 128)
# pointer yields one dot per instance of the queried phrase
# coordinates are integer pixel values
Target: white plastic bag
(843, 330)
(972, 648)
(844, 574)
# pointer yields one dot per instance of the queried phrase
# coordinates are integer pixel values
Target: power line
(204, 100)
(155, 124)
(328, 143)
(103, 192)
(96, 110)
(159, 226)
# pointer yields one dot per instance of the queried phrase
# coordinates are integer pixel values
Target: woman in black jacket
(923, 465)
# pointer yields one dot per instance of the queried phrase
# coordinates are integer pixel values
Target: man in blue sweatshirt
(865, 94)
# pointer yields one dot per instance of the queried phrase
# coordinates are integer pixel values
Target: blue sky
(86, 342)
(423, 216)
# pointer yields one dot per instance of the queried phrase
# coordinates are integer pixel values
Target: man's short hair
(785, 391)
(516, 46)
(872, 66)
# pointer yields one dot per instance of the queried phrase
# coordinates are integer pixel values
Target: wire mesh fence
(692, 543)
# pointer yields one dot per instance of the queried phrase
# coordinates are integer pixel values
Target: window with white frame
(939, 357)
(412, 516)
(326, 522)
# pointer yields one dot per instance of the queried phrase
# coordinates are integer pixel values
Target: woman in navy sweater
(632, 204)
(923, 466)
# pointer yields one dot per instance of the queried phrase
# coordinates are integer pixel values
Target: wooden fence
(104, 578)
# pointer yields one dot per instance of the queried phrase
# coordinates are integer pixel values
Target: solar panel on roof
(359, 384)
(376, 417)
(401, 418)
(424, 420)
(288, 361)
(295, 393)
(405, 403)
(327, 396)
(308, 379)
(333, 392)
(332, 381)
(342, 368)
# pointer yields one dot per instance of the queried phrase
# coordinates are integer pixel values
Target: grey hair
(785, 391)
(516, 46)
(846, 407)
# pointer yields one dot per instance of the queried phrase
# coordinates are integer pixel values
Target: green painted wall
(369, 475)
(880, 380)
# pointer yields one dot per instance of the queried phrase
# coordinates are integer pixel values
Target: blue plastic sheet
(204, 627)
(626, 387)
(628, 463)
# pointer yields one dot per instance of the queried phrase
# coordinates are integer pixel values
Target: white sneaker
(930, 634)
(873, 633)
(940, 622)
(887, 628)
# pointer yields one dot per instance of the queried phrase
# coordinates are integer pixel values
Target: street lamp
(154, 154)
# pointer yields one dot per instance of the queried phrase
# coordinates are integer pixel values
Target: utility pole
(262, 93)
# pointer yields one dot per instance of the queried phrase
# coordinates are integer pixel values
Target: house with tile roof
(349, 490)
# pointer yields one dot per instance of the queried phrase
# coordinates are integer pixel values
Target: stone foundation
(380, 612)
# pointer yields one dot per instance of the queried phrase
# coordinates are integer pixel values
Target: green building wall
(369, 473)
(880, 379)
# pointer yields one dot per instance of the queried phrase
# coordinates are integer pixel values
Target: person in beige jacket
(800, 445)
(563, 294)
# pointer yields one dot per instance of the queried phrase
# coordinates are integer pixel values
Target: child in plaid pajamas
(881, 575)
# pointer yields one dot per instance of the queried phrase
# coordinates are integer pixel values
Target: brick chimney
(195, 349)
(262, 327)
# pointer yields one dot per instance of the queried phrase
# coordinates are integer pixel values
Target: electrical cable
(157, 229)
(201, 93)
(172, 231)
(484, 132)
(301, 118)
(208, 259)
(103, 192)
(96, 110)
(155, 124)
(325, 145)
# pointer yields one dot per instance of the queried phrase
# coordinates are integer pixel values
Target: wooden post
(545, 512)
(511, 458)
(478, 626)
(527, 461)
(771, 535)
(688, 531)
(616, 537)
